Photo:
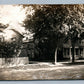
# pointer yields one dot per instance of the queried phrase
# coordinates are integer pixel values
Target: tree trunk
(56, 56)
(73, 49)
(70, 54)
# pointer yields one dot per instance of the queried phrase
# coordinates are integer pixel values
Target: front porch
(78, 52)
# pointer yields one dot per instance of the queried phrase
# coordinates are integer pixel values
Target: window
(77, 51)
(81, 51)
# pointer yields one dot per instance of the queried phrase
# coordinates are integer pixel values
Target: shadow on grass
(72, 64)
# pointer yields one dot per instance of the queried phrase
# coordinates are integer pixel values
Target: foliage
(9, 50)
(3, 26)
(52, 23)
(46, 24)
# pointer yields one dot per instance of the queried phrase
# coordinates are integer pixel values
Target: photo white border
(44, 82)
(41, 1)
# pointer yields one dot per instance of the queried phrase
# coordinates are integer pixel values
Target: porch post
(79, 53)
(74, 53)
(63, 52)
(83, 52)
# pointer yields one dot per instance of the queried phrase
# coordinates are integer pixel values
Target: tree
(74, 23)
(73, 35)
(48, 22)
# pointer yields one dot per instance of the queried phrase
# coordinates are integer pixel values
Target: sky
(11, 14)
(14, 15)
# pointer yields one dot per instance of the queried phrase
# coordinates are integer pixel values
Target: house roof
(16, 32)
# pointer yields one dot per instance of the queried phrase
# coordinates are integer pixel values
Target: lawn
(43, 71)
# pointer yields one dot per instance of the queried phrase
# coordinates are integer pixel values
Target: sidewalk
(40, 65)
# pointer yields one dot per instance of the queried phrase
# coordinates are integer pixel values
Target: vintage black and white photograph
(42, 42)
